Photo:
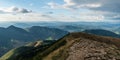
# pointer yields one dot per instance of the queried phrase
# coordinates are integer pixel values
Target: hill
(13, 36)
(102, 32)
(75, 46)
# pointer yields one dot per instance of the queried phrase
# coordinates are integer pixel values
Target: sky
(60, 10)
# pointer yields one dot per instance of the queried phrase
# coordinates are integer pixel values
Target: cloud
(109, 5)
(116, 17)
(54, 5)
(31, 17)
(98, 5)
(31, 4)
(50, 12)
(75, 4)
(14, 9)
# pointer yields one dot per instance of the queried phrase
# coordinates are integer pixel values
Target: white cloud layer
(48, 17)
(99, 5)
(75, 4)
(97, 10)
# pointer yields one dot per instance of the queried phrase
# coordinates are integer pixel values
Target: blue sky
(59, 10)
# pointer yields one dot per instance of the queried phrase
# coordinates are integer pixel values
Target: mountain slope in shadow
(13, 36)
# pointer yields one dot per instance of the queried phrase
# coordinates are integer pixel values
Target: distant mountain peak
(12, 26)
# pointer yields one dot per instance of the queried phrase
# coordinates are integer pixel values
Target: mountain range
(70, 26)
(13, 36)
(73, 46)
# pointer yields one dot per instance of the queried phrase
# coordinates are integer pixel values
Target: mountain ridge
(102, 32)
(88, 46)
(15, 36)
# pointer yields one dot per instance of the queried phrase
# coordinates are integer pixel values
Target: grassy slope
(59, 49)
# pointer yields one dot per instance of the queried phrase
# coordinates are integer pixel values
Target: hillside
(28, 50)
(102, 32)
(32, 33)
(12, 36)
(75, 46)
